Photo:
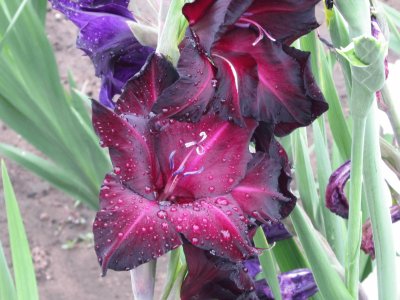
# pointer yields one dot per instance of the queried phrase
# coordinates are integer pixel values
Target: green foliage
(34, 104)
(24, 274)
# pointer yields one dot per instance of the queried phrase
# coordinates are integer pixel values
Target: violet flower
(236, 61)
(335, 197)
(211, 277)
(107, 39)
(336, 201)
(179, 182)
(367, 242)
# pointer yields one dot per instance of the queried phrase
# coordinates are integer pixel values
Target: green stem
(379, 199)
(143, 279)
(173, 269)
(267, 262)
(354, 231)
(357, 15)
(393, 111)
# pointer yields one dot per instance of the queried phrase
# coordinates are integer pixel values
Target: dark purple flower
(237, 61)
(336, 201)
(335, 197)
(107, 39)
(367, 242)
(275, 231)
(176, 182)
(294, 285)
(212, 277)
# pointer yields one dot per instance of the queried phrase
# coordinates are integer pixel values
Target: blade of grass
(25, 280)
(48, 171)
(7, 289)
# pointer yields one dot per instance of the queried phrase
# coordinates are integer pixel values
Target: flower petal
(284, 20)
(294, 285)
(127, 229)
(367, 242)
(212, 277)
(209, 157)
(143, 89)
(107, 39)
(258, 193)
(285, 92)
(131, 148)
(335, 196)
(188, 97)
(210, 19)
(275, 232)
(213, 224)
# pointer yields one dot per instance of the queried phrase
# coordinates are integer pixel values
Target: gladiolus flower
(237, 61)
(177, 182)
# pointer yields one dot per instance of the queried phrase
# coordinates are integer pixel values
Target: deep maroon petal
(203, 159)
(284, 20)
(367, 242)
(210, 19)
(294, 285)
(212, 277)
(131, 148)
(143, 89)
(258, 193)
(213, 224)
(266, 142)
(189, 96)
(335, 197)
(127, 229)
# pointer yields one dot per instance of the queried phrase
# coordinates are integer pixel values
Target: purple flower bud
(367, 242)
(335, 197)
(275, 232)
(294, 285)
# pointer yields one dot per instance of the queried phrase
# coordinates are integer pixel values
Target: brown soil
(50, 217)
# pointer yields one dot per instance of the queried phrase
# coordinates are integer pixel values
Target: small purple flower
(212, 277)
(335, 196)
(107, 39)
(275, 232)
(367, 242)
(336, 201)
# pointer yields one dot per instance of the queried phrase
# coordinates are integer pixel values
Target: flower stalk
(366, 81)
(393, 111)
(143, 279)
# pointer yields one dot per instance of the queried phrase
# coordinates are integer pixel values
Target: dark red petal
(284, 20)
(188, 97)
(218, 151)
(143, 89)
(258, 193)
(367, 242)
(213, 224)
(212, 277)
(335, 196)
(209, 19)
(131, 148)
(128, 230)
(286, 94)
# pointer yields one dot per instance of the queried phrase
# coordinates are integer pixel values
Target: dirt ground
(52, 222)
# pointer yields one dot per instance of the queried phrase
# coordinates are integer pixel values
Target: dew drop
(162, 214)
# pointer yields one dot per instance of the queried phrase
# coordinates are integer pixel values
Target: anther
(171, 160)
(199, 171)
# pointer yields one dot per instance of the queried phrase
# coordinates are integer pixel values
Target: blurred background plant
(56, 122)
